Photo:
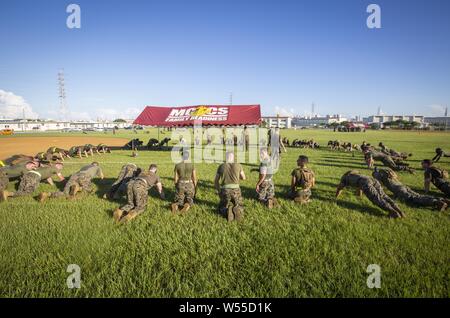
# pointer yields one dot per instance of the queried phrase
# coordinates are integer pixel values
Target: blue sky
(283, 55)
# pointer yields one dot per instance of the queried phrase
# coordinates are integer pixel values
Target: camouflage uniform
(185, 187)
(28, 184)
(82, 179)
(231, 202)
(267, 187)
(75, 151)
(372, 189)
(389, 179)
(305, 180)
(3, 180)
(439, 179)
(128, 171)
(137, 192)
(185, 193)
(388, 161)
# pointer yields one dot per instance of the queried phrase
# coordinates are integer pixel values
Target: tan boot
(174, 207)
(230, 214)
(442, 206)
(4, 195)
(270, 204)
(275, 203)
(74, 189)
(117, 214)
(185, 208)
(237, 213)
(127, 218)
(42, 197)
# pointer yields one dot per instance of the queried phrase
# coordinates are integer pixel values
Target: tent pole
(158, 134)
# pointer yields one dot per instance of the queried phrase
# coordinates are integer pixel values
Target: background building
(24, 125)
(308, 121)
(278, 121)
(381, 119)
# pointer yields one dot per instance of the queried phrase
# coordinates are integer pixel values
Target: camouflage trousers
(28, 184)
(230, 197)
(125, 175)
(80, 179)
(3, 181)
(375, 193)
(412, 197)
(137, 196)
(266, 191)
(444, 186)
(303, 195)
(185, 193)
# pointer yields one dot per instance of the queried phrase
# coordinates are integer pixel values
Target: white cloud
(14, 106)
(284, 111)
(112, 113)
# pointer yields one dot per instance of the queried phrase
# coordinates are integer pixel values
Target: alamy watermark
(74, 279)
(374, 279)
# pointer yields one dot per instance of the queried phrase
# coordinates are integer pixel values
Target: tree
(119, 120)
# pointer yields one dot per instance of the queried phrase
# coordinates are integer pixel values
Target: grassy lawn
(318, 250)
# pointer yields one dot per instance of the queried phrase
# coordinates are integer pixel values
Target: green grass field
(318, 250)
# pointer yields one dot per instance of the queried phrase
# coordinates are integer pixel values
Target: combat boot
(117, 214)
(74, 189)
(442, 206)
(174, 207)
(42, 197)
(127, 218)
(237, 213)
(394, 215)
(185, 208)
(275, 203)
(270, 204)
(230, 214)
(4, 195)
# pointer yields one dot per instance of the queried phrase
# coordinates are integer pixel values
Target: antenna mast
(62, 96)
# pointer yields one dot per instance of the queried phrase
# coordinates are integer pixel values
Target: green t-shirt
(47, 172)
(92, 171)
(184, 170)
(229, 173)
(14, 171)
(265, 167)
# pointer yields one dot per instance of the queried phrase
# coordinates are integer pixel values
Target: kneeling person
(185, 180)
(302, 180)
(226, 184)
(265, 186)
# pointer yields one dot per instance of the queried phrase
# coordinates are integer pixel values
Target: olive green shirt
(184, 170)
(92, 171)
(265, 167)
(14, 171)
(47, 172)
(229, 174)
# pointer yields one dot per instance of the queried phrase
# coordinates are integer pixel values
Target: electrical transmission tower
(62, 96)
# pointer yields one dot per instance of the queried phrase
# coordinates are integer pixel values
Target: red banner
(207, 114)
